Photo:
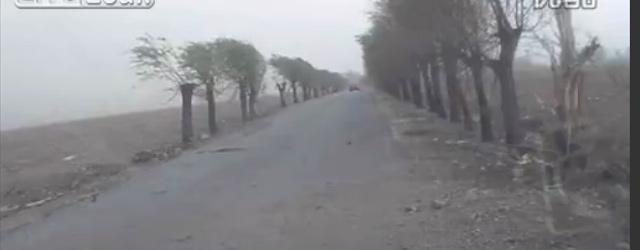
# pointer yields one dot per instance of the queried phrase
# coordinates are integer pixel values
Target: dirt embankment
(490, 200)
(42, 164)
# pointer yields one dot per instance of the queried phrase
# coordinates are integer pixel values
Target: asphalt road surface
(314, 176)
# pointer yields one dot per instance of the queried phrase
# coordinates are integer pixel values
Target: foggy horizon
(60, 65)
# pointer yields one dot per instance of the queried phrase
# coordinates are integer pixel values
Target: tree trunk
(434, 69)
(416, 90)
(486, 126)
(187, 117)
(409, 89)
(281, 88)
(451, 70)
(509, 106)
(211, 106)
(253, 97)
(457, 100)
(466, 113)
(425, 86)
(305, 93)
(567, 59)
(503, 69)
(294, 87)
(568, 94)
(401, 91)
(243, 102)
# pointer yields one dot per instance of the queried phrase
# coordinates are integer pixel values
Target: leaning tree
(202, 59)
(305, 76)
(296, 71)
(156, 58)
(244, 65)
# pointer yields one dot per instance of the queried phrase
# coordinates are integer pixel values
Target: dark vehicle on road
(353, 88)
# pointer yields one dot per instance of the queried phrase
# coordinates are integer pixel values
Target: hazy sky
(68, 64)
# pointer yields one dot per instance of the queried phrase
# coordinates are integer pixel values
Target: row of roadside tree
(224, 64)
(412, 43)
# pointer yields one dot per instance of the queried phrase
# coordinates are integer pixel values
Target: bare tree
(473, 24)
(256, 82)
(434, 76)
(568, 81)
(282, 87)
(510, 19)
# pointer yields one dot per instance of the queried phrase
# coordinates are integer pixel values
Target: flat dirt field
(42, 164)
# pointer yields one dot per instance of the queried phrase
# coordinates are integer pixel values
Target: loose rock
(411, 209)
(439, 204)
(204, 136)
(8, 208)
(143, 156)
(38, 203)
(69, 158)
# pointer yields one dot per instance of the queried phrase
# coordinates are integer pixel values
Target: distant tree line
(236, 64)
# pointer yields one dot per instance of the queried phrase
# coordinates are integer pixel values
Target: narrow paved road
(315, 177)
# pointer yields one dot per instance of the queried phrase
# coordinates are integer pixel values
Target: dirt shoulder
(51, 166)
(472, 196)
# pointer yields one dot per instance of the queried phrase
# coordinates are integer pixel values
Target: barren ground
(42, 164)
(350, 171)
